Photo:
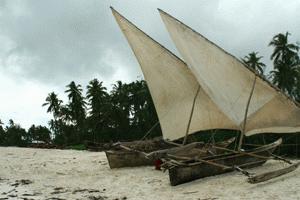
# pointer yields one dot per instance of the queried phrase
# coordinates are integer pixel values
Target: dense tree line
(127, 111)
(124, 113)
(14, 135)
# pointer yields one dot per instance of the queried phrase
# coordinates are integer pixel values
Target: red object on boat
(157, 164)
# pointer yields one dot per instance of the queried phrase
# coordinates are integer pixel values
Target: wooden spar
(281, 158)
(249, 163)
(246, 173)
(269, 175)
(245, 116)
(190, 118)
(172, 143)
(174, 150)
(201, 160)
(243, 153)
(130, 149)
(176, 162)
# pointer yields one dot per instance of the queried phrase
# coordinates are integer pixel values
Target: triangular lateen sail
(228, 83)
(172, 86)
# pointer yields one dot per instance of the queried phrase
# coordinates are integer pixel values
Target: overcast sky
(45, 44)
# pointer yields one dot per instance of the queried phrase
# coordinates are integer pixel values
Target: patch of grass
(77, 147)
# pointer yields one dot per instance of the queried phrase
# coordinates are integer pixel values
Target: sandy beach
(30, 174)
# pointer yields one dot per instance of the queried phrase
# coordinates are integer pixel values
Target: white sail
(172, 87)
(228, 83)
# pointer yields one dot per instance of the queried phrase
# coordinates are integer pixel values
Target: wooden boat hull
(119, 159)
(197, 170)
(123, 158)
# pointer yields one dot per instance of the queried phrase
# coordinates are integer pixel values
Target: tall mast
(190, 118)
(246, 113)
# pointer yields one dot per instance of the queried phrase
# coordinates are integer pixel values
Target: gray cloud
(53, 42)
(57, 40)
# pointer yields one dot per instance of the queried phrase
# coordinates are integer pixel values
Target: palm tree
(77, 103)
(286, 62)
(96, 95)
(253, 61)
(99, 106)
(39, 133)
(121, 106)
(54, 104)
(282, 49)
(2, 134)
(285, 76)
(296, 92)
(143, 111)
(15, 134)
(76, 110)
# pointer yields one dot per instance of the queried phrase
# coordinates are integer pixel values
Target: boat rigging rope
(150, 130)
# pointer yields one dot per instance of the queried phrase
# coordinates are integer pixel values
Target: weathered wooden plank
(269, 175)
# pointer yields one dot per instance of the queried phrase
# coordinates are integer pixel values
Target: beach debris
(21, 182)
(33, 194)
(55, 198)
(59, 190)
(3, 179)
(97, 197)
(85, 190)
(190, 192)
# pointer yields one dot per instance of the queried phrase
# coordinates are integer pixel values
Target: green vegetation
(253, 62)
(77, 147)
(286, 65)
(127, 111)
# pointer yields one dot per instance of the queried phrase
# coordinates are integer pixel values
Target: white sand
(86, 175)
